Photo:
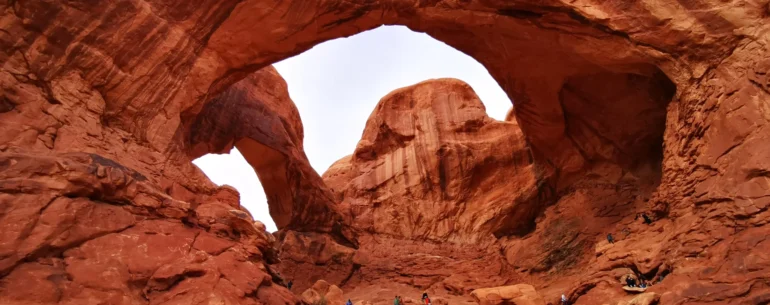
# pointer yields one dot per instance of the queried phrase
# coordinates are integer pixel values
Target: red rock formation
(82, 229)
(124, 80)
(432, 166)
(256, 116)
(323, 293)
(517, 294)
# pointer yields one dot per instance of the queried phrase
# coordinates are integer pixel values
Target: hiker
(630, 282)
(289, 284)
(397, 301)
(564, 300)
(425, 298)
(349, 302)
(647, 220)
(610, 239)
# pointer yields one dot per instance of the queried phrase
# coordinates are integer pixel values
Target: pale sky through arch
(337, 84)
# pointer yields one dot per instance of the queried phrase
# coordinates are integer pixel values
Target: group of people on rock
(399, 301)
(642, 283)
(626, 231)
(631, 282)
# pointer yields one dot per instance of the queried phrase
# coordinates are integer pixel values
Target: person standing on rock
(610, 239)
(564, 300)
(397, 301)
(647, 219)
(349, 302)
(289, 284)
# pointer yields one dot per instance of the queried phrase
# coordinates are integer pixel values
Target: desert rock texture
(621, 108)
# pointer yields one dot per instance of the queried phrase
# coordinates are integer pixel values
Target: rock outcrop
(521, 294)
(627, 106)
(79, 228)
(91, 215)
(431, 165)
(323, 293)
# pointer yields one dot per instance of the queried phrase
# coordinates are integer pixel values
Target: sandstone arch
(223, 42)
(123, 78)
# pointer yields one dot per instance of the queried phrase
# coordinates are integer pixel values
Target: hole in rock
(233, 170)
(336, 86)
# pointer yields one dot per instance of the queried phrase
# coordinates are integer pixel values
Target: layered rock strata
(124, 79)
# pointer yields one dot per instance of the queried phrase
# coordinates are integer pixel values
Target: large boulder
(647, 298)
(521, 294)
(323, 293)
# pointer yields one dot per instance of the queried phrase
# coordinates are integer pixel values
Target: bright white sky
(337, 84)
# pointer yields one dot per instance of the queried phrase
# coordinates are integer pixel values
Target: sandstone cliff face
(82, 229)
(432, 166)
(125, 80)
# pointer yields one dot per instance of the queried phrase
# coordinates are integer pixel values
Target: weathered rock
(432, 165)
(521, 294)
(643, 299)
(82, 229)
(323, 293)
(308, 257)
(256, 116)
(123, 81)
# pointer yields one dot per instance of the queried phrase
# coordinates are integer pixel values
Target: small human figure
(349, 302)
(397, 301)
(610, 239)
(289, 284)
(647, 220)
(564, 300)
(425, 298)
(630, 282)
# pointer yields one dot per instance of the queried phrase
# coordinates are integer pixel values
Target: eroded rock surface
(521, 294)
(125, 80)
(431, 165)
(82, 229)
(257, 116)
(323, 293)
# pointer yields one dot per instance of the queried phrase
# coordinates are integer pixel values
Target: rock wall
(125, 80)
